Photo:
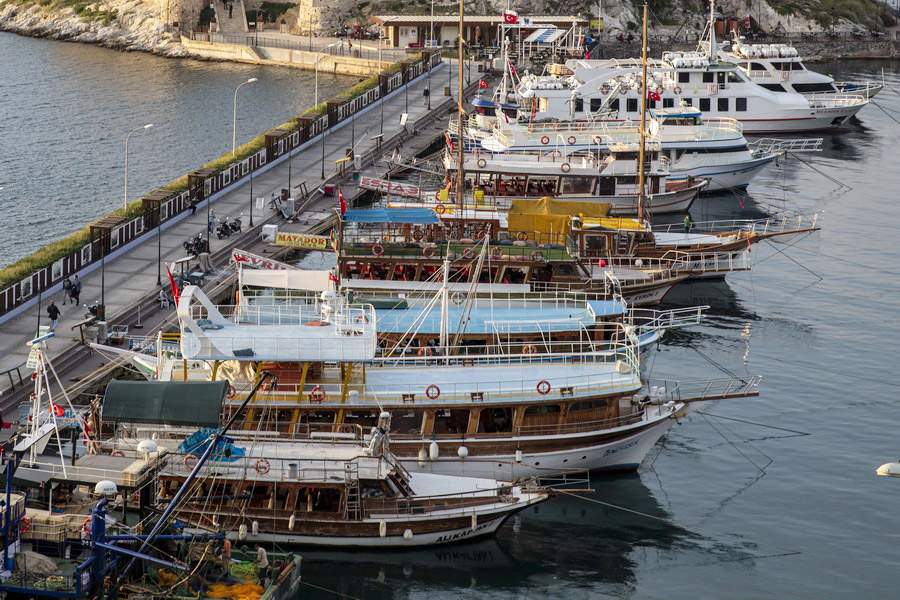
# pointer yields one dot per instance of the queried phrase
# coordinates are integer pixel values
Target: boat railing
(767, 146)
(579, 427)
(782, 224)
(647, 319)
(709, 262)
(834, 100)
(546, 247)
(659, 391)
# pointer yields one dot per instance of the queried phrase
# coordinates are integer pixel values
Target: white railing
(767, 146)
(665, 390)
(646, 320)
(834, 100)
(781, 224)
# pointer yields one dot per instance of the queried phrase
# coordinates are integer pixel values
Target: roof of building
(476, 19)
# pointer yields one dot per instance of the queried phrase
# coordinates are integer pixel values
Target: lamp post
(234, 122)
(127, 137)
(430, 41)
(316, 61)
(251, 198)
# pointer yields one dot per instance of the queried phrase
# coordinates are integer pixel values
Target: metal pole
(158, 242)
(324, 131)
(310, 30)
(251, 197)
(234, 122)
(127, 137)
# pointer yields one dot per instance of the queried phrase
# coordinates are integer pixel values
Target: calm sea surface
(722, 508)
(65, 110)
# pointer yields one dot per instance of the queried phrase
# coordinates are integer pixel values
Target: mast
(460, 172)
(641, 196)
(712, 30)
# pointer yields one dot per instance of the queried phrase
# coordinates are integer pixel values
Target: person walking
(67, 289)
(76, 291)
(230, 10)
(688, 223)
(262, 563)
(426, 93)
(53, 311)
(226, 556)
(212, 221)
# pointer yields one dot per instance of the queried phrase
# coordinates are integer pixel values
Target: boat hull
(724, 177)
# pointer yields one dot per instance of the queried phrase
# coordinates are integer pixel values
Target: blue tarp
(199, 441)
(415, 216)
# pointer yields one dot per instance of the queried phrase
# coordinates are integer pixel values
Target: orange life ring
(362, 319)
(117, 453)
(604, 91)
(86, 525)
(189, 461)
(232, 392)
(262, 466)
(427, 251)
(565, 167)
(27, 526)
(571, 139)
(481, 163)
(521, 236)
(555, 154)
(377, 249)
(543, 387)
(417, 234)
(529, 349)
(469, 252)
(537, 256)
(317, 394)
(440, 209)
(345, 429)
(545, 140)
(496, 252)
(437, 195)
(425, 351)
(433, 392)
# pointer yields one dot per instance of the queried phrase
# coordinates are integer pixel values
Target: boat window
(596, 104)
(668, 102)
(579, 104)
(577, 185)
(780, 66)
(708, 77)
(541, 185)
(607, 186)
(364, 418)
(454, 421)
(651, 104)
(774, 87)
(545, 414)
(628, 180)
(720, 77)
(742, 148)
(408, 421)
(722, 104)
(614, 105)
(318, 499)
(740, 104)
(813, 87)
(495, 420)
(487, 111)
(797, 66)
(320, 416)
(631, 105)
(542, 409)
(757, 67)
(704, 105)
(688, 101)
(684, 77)
(589, 405)
(565, 270)
(734, 77)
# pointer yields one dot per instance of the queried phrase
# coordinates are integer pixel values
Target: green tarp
(192, 403)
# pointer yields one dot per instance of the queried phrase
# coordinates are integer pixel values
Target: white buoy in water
(255, 527)
(891, 469)
(292, 522)
(434, 451)
(423, 456)
(407, 535)
(242, 532)
(382, 528)
(462, 452)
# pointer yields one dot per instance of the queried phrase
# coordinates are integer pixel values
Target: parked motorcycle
(195, 245)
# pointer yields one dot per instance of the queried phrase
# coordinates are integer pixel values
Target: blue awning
(415, 216)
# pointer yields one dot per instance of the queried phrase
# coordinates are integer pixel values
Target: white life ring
(481, 163)
(545, 140)
(677, 91)
(565, 167)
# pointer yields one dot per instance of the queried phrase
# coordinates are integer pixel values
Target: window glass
(708, 77)
(684, 77)
(579, 104)
(740, 104)
(668, 102)
(631, 105)
(596, 103)
(704, 105)
(722, 104)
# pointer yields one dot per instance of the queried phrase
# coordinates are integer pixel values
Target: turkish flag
(342, 201)
(482, 83)
(510, 19)
(654, 96)
(175, 293)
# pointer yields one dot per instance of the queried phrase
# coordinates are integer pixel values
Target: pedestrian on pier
(230, 10)
(53, 311)
(212, 221)
(67, 289)
(76, 291)
(425, 94)
(193, 206)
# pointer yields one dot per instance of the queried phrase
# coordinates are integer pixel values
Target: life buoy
(529, 349)
(437, 195)
(345, 429)
(598, 139)
(677, 90)
(117, 453)
(377, 249)
(545, 140)
(27, 526)
(571, 139)
(317, 394)
(427, 251)
(481, 163)
(189, 461)
(440, 209)
(425, 351)
(537, 256)
(565, 167)
(86, 525)
(521, 236)
(543, 387)
(433, 392)
(469, 252)
(231, 392)
(457, 298)
(417, 234)
(555, 154)
(496, 252)
(604, 91)
(262, 466)
(362, 319)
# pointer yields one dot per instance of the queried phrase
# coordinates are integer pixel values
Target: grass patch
(270, 11)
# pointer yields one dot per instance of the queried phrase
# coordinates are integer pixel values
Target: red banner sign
(382, 185)
(252, 260)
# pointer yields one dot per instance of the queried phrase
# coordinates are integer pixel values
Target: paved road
(132, 276)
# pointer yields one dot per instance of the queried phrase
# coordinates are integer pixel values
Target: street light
(234, 125)
(317, 69)
(127, 137)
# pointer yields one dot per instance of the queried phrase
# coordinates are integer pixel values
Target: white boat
(689, 146)
(780, 68)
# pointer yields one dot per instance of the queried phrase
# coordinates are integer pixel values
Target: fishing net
(244, 571)
(236, 591)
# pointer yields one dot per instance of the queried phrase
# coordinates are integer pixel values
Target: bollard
(139, 325)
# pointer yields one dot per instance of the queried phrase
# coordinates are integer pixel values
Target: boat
(780, 68)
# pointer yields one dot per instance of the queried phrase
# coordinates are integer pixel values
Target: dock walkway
(132, 277)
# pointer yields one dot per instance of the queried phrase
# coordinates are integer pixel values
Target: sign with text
(248, 259)
(302, 241)
(392, 187)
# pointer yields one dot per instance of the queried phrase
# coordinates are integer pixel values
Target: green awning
(193, 403)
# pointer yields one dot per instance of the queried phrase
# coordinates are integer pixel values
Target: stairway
(237, 23)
